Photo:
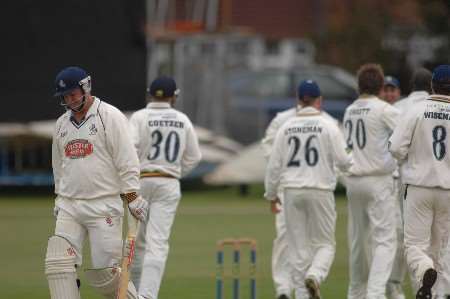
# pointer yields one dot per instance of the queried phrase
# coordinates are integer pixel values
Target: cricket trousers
(399, 266)
(372, 235)
(281, 269)
(310, 224)
(152, 242)
(427, 225)
(100, 220)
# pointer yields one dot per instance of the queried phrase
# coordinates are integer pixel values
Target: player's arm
(269, 137)
(122, 150)
(192, 154)
(134, 132)
(56, 158)
(343, 159)
(126, 161)
(273, 170)
(400, 140)
(390, 116)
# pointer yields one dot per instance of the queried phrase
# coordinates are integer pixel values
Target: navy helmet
(163, 87)
(70, 78)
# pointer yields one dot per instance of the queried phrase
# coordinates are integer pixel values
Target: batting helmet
(70, 78)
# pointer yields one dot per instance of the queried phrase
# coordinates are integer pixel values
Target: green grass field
(202, 219)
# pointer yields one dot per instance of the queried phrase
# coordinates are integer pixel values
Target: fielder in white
(281, 269)
(421, 88)
(368, 123)
(168, 148)
(94, 164)
(420, 141)
(305, 151)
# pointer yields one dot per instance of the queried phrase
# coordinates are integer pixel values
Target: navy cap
(391, 81)
(308, 88)
(163, 87)
(441, 74)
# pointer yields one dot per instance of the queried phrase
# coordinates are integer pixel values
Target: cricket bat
(127, 256)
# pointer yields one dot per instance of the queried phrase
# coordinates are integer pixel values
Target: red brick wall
(281, 18)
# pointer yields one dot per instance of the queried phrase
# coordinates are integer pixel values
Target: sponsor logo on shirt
(79, 148)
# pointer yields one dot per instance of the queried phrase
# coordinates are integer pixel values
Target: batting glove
(137, 205)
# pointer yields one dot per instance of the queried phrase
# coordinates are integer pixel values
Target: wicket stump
(236, 244)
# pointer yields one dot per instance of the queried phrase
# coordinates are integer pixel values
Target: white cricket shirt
(96, 157)
(165, 140)
(411, 100)
(421, 143)
(277, 122)
(368, 124)
(305, 151)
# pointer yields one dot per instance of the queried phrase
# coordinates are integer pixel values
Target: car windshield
(268, 84)
(282, 84)
(330, 87)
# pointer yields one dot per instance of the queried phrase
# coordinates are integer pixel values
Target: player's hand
(275, 206)
(139, 208)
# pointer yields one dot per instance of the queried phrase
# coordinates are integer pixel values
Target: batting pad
(106, 281)
(60, 269)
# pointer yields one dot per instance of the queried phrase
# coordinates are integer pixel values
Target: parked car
(256, 96)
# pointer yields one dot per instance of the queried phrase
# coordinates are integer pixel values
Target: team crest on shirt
(109, 221)
(78, 148)
(93, 130)
(71, 251)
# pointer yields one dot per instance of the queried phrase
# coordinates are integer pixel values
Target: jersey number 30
(170, 145)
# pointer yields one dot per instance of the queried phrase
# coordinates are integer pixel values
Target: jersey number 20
(360, 133)
(170, 145)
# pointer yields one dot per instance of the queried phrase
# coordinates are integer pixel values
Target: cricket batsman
(94, 165)
(168, 149)
(281, 269)
(420, 143)
(306, 150)
(368, 123)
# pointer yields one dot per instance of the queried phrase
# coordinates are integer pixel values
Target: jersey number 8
(439, 135)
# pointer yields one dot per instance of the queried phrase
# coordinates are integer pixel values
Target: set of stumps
(237, 245)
